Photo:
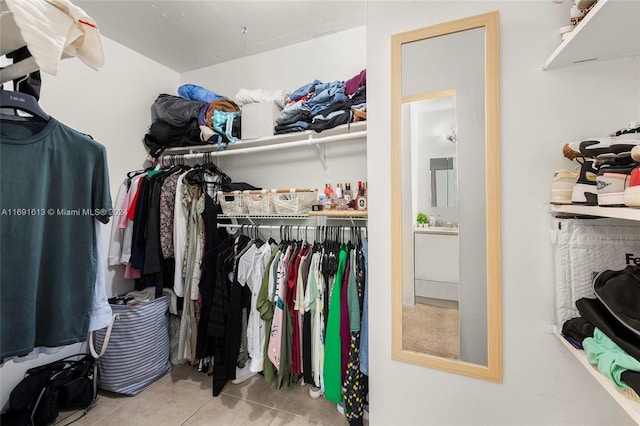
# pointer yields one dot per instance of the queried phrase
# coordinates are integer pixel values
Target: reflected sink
(448, 230)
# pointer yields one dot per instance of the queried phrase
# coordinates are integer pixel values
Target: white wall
(540, 111)
(337, 56)
(112, 105)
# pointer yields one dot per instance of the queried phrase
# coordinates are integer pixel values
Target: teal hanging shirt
(54, 184)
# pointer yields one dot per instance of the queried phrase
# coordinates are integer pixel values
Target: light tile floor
(184, 397)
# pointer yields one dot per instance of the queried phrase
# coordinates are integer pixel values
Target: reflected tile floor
(184, 397)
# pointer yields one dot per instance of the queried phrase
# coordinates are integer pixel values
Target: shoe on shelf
(592, 147)
(611, 183)
(635, 153)
(585, 190)
(596, 146)
(562, 185)
(632, 191)
(621, 159)
(589, 148)
(570, 152)
(632, 128)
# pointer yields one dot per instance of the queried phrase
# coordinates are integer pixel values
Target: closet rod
(293, 227)
(275, 146)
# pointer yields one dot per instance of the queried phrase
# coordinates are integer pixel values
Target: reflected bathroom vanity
(437, 274)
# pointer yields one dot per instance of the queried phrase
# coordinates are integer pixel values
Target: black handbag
(66, 384)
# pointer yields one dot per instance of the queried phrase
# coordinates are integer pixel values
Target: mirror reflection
(445, 171)
(443, 182)
(431, 323)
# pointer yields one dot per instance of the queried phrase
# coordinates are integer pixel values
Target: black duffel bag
(66, 384)
(163, 135)
(175, 110)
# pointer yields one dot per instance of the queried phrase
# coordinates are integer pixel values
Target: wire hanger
(22, 102)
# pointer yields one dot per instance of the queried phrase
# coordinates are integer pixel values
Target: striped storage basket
(137, 352)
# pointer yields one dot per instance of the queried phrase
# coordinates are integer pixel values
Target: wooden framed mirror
(445, 165)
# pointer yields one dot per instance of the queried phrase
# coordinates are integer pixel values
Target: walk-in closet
(215, 238)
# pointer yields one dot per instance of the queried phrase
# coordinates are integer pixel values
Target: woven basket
(294, 202)
(232, 203)
(259, 202)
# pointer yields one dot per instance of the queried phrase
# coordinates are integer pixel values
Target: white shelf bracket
(322, 154)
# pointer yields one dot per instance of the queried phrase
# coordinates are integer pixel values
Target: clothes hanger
(22, 102)
(211, 166)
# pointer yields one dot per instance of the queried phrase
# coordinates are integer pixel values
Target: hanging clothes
(333, 343)
(275, 341)
(265, 307)
(265, 279)
(353, 387)
(49, 252)
(291, 310)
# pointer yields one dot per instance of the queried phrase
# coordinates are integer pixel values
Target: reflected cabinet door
(446, 167)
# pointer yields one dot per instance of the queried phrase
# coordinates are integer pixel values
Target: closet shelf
(341, 213)
(631, 407)
(343, 132)
(628, 213)
(610, 30)
(263, 216)
(329, 215)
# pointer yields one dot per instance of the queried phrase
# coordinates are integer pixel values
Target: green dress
(333, 345)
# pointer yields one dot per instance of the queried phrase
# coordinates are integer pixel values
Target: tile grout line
(194, 413)
(279, 410)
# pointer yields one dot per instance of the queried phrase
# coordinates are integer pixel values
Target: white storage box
(259, 119)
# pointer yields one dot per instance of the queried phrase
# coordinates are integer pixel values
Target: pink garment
(131, 273)
(352, 85)
(275, 339)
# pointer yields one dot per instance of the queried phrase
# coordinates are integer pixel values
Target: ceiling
(187, 35)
